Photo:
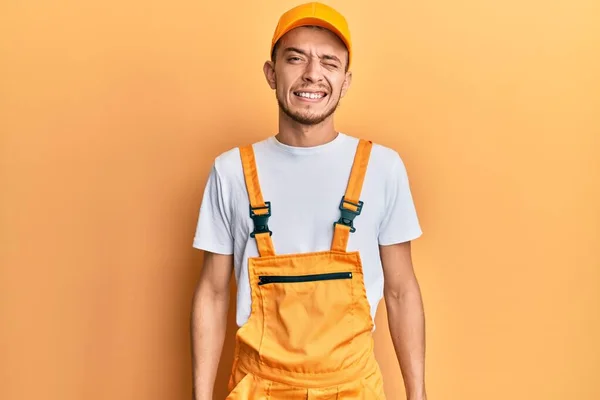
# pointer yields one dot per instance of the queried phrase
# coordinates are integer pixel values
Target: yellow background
(111, 113)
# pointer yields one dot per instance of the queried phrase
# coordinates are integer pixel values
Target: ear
(269, 70)
(346, 84)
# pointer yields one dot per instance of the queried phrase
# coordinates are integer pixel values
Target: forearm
(208, 325)
(407, 327)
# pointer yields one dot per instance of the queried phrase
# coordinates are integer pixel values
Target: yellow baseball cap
(314, 14)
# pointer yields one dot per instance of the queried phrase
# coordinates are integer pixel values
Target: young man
(315, 255)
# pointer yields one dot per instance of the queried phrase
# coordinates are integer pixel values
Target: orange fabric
(263, 240)
(341, 233)
(252, 387)
(314, 14)
(357, 175)
(309, 335)
(265, 244)
(251, 175)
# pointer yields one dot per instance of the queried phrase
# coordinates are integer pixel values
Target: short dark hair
(274, 52)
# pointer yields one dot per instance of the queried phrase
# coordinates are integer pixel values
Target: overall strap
(351, 206)
(260, 211)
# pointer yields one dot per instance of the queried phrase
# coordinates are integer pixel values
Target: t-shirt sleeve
(213, 232)
(400, 222)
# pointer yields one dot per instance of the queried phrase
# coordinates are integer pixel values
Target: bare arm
(209, 321)
(405, 316)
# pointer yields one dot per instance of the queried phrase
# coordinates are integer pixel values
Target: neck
(295, 134)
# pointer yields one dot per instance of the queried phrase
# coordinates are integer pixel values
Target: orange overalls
(309, 334)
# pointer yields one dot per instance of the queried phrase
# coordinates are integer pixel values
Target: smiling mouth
(311, 95)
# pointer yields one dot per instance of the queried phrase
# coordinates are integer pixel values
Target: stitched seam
(288, 372)
(264, 318)
(351, 312)
(242, 381)
(253, 306)
(352, 304)
(369, 388)
(363, 291)
(303, 255)
(316, 273)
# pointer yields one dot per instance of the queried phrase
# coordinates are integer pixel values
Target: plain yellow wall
(111, 113)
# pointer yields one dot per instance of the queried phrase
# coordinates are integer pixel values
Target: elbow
(394, 298)
(207, 292)
(392, 294)
(401, 293)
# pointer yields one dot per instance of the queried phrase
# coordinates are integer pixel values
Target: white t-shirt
(305, 186)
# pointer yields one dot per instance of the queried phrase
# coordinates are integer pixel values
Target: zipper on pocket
(264, 279)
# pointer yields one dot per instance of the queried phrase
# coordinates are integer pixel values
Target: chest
(305, 199)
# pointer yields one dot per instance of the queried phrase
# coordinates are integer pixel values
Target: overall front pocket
(308, 320)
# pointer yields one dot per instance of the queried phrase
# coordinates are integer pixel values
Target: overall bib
(309, 334)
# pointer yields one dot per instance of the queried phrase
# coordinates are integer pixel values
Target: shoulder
(383, 159)
(386, 156)
(228, 161)
(228, 164)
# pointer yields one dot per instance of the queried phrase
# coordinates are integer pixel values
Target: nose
(312, 73)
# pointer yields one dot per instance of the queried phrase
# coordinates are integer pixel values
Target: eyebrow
(299, 51)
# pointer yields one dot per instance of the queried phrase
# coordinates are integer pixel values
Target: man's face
(309, 74)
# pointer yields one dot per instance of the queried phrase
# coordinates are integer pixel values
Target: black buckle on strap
(347, 217)
(261, 221)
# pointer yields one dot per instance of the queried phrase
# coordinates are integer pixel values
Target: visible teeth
(310, 95)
